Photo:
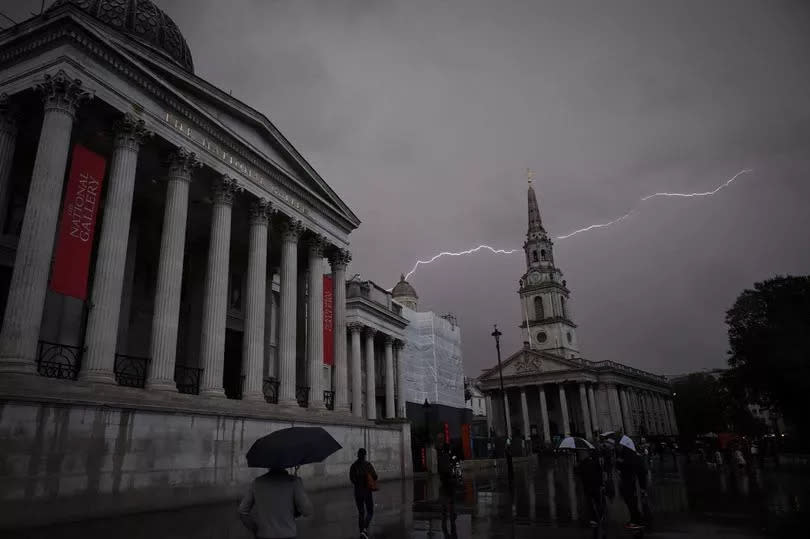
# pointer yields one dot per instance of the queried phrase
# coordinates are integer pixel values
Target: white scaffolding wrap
(432, 360)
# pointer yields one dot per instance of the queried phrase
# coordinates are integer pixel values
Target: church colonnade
(62, 96)
(544, 410)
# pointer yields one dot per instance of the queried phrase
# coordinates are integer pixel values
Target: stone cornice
(549, 320)
(33, 35)
(375, 310)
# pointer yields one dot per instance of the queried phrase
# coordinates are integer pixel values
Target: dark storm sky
(423, 115)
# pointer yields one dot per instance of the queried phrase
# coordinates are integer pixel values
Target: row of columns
(393, 375)
(21, 326)
(619, 400)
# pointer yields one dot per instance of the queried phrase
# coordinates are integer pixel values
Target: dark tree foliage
(769, 334)
(699, 405)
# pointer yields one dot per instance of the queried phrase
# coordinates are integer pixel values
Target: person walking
(272, 504)
(364, 478)
(591, 473)
(631, 469)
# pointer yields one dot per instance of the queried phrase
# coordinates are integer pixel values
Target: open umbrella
(627, 442)
(291, 447)
(575, 442)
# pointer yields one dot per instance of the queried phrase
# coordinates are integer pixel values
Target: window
(541, 336)
(543, 254)
(534, 256)
(562, 305)
(538, 308)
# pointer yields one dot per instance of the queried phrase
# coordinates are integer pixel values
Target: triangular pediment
(527, 362)
(244, 126)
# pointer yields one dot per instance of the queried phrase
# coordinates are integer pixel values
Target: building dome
(142, 20)
(404, 293)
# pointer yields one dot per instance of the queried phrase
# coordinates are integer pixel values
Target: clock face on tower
(534, 277)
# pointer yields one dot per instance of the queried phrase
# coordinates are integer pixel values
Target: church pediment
(528, 362)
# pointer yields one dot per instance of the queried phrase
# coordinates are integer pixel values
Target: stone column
(339, 259)
(290, 232)
(390, 413)
(672, 418)
(614, 407)
(544, 414)
(508, 414)
(165, 320)
(215, 299)
(315, 247)
(662, 411)
(101, 336)
(253, 340)
(371, 388)
(646, 411)
(592, 406)
(524, 408)
(357, 370)
(8, 142)
(626, 416)
(564, 410)
(29, 281)
(489, 414)
(401, 408)
(270, 324)
(586, 415)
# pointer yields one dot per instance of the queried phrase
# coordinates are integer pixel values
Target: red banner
(328, 322)
(74, 244)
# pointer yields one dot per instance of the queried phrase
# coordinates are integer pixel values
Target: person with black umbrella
(277, 498)
(364, 478)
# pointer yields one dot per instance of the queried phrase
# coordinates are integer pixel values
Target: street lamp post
(508, 450)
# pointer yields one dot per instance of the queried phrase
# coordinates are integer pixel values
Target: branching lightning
(580, 230)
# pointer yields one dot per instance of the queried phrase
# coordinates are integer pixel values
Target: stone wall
(71, 458)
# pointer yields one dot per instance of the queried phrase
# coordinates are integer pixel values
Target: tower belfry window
(534, 256)
(542, 255)
(538, 308)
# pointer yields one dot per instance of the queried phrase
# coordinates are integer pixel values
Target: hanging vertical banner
(74, 244)
(328, 322)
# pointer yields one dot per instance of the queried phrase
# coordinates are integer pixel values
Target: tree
(769, 335)
(699, 405)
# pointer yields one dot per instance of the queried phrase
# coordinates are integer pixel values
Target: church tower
(544, 297)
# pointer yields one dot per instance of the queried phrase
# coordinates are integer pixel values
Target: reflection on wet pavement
(547, 499)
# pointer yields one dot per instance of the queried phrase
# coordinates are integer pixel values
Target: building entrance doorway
(232, 379)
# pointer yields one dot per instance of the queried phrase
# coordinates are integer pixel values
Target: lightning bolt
(580, 230)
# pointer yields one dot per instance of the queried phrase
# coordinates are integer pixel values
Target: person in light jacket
(272, 504)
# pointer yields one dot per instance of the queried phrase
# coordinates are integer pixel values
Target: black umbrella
(291, 447)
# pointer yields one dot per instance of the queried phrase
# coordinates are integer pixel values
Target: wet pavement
(546, 500)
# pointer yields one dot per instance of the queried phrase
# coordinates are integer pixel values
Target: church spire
(535, 224)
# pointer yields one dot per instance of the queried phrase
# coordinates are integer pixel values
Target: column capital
(355, 327)
(129, 132)
(260, 211)
(389, 340)
(291, 230)
(63, 94)
(316, 244)
(181, 163)
(224, 189)
(9, 113)
(369, 332)
(339, 258)
(398, 344)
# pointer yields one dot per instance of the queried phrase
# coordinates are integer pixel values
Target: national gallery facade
(163, 257)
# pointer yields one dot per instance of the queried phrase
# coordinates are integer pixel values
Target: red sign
(78, 224)
(328, 322)
(446, 433)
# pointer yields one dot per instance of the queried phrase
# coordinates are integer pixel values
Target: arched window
(562, 305)
(534, 256)
(543, 254)
(538, 308)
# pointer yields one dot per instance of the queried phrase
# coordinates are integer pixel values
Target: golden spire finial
(530, 175)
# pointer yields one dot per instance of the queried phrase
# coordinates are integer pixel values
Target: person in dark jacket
(631, 468)
(359, 474)
(590, 472)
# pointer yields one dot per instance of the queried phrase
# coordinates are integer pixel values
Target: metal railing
(270, 389)
(130, 371)
(56, 360)
(329, 399)
(235, 391)
(302, 396)
(187, 379)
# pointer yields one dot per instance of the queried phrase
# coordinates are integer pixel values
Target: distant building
(433, 381)
(550, 390)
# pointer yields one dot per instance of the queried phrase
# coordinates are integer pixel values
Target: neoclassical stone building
(549, 389)
(162, 261)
